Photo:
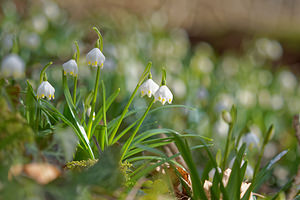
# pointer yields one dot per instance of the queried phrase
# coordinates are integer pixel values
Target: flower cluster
(95, 58)
(161, 93)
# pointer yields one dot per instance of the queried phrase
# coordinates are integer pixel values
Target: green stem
(76, 78)
(266, 140)
(90, 123)
(127, 144)
(100, 39)
(144, 75)
(75, 89)
(43, 72)
(123, 114)
(227, 146)
(15, 47)
(38, 116)
(124, 132)
(105, 138)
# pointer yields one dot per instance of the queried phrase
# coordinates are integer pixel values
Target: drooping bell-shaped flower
(95, 58)
(45, 90)
(71, 67)
(149, 87)
(13, 65)
(163, 94)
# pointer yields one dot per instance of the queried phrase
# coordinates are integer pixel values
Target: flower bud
(226, 116)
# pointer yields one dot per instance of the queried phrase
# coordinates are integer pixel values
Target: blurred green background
(216, 53)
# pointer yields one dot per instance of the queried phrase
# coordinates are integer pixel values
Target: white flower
(163, 94)
(226, 116)
(251, 140)
(45, 90)
(95, 58)
(149, 87)
(70, 67)
(88, 112)
(13, 65)
(211, 173)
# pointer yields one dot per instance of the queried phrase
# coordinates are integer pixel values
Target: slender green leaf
(109, 101)
(262, 174)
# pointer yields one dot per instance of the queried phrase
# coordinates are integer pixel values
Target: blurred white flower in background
(281, 173)
(205, 65)
(40, 23)
(202, 93)
(159, 19)
(205, 49)
(230, 66)
(265, 77)
(271, 49)
(178, 87)
(288, 80)
(45, 90)
(51, 10)
(30, 40)
(133, 71)
(221, 128)
(270, 150)
(110, 64)
(13, 65)
(71, 68)
(277, 101)
(164, 48)
(174, 65)
(149, 87)
(264, 98)
(246, 98)
(251, 140)
(225, 101)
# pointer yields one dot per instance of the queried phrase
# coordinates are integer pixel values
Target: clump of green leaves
(15, 133)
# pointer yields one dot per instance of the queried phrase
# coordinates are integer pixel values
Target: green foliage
(123, 144)
(82, 164)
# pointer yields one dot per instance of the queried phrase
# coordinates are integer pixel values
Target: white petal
(88, 111)
(163, 94)
(71, 67)
(45, 90)
(95, 57)
(149, 87)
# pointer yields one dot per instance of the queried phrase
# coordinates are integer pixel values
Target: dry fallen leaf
(207, 185)
(43, 173)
